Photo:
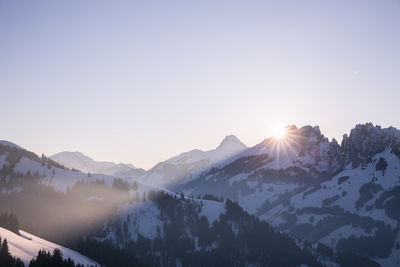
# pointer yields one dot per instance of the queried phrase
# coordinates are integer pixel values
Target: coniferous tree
(6, 260)
(45, 259)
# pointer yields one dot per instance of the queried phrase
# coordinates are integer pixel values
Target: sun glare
(279, 132)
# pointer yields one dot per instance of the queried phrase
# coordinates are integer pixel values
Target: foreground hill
(26, 247)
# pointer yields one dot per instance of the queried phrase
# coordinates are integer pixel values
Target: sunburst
(281, 144)
(279, 132)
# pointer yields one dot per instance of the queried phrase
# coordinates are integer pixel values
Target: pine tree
(57, 257)
(4, 248)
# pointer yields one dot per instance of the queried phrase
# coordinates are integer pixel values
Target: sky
(142, 81)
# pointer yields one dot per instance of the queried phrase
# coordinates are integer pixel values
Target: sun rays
(281, 146)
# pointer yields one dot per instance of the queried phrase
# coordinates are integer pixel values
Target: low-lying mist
(64, 216)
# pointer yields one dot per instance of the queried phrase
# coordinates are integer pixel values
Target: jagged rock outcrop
(366, 140)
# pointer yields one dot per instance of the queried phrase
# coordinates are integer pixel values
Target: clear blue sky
(140, 81)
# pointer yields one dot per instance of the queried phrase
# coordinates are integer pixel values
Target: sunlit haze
(139, 82)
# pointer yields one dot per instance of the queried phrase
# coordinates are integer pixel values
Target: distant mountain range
(178, 169)
(79, 161)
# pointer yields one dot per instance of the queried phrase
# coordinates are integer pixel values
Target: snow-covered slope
(79, 161)
(26, 246)
(144, 219)
(182, 168)
(356, 208)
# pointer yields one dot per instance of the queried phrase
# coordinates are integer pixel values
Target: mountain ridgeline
(285, 202)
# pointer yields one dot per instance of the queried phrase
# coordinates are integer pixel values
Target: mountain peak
(71, 155)
(232, 141)
(309, 131)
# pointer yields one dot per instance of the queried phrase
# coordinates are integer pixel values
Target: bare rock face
(366, 140)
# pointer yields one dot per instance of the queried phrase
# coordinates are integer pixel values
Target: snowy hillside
(356, 207)
(144, 218)
(26, 246)
(79, 161)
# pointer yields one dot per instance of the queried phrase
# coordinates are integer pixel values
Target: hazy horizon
(339, 140)
(140, 82)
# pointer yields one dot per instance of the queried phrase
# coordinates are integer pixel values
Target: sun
(279, 132)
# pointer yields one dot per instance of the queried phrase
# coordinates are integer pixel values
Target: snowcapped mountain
(79, 161)
(26, 247)
(182, 168)
(365, 141)
(305, 149)
(343, 196)
(228, 146)
(303, 158)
